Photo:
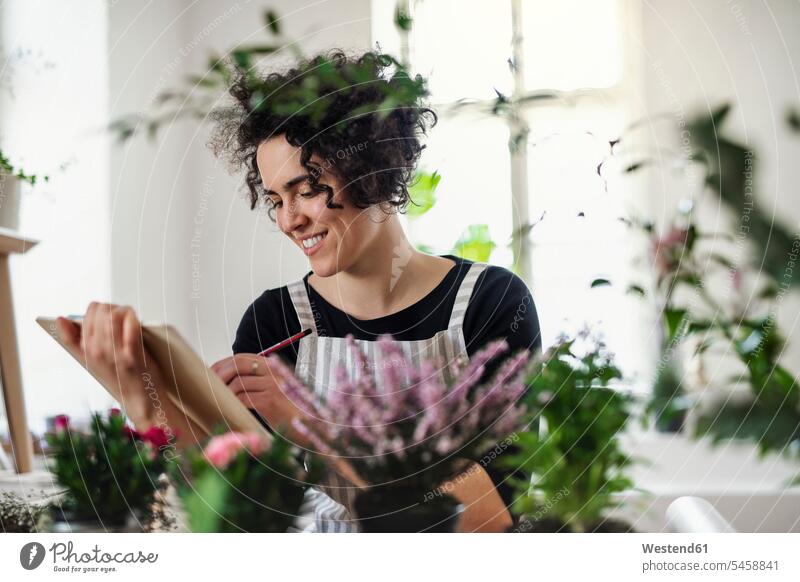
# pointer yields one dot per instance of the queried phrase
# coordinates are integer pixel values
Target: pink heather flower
(366, 381)
(61, 422)
(312, 436)
(472, 372)
(294, 389)
(221, 450)
(398, 410)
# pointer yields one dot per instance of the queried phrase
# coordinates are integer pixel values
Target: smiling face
(333, 239)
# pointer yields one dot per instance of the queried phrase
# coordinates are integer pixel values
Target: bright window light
(464, 47)
(571, 44)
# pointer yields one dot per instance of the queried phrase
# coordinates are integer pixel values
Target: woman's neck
(390, 277)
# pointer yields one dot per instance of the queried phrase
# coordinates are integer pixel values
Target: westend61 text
(675, 549)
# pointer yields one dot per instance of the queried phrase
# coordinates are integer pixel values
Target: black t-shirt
(501, 306)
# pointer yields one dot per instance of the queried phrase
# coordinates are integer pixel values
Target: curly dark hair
(364, 123)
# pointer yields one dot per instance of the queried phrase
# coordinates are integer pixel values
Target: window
(573, 82)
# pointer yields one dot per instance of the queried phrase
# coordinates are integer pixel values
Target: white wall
(97, 63)
(54, 118)
(698, 55)
(185, 246)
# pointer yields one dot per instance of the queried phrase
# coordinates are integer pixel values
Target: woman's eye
(309, 194)
(275, 203)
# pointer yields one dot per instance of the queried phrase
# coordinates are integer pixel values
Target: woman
(334, 183)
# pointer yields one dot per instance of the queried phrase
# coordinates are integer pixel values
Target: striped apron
(327, 508)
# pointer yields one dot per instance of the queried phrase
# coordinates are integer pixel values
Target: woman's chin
(323, 266)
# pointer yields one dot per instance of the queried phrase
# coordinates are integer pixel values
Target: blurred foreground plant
(112, 473)
(572, 463)
(408, 424)
(243, 483)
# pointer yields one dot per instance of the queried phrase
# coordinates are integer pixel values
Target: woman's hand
(484, 510)
(109, 343)
(257, 384)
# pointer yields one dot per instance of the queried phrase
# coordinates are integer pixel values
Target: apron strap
(464, 293)
(302, 306)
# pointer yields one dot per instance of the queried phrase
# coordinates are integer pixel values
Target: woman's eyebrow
(290, 184)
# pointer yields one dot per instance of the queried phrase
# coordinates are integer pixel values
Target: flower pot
(384, 510)
(9, 201)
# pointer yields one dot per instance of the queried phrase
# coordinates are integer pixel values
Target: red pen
(286, 342)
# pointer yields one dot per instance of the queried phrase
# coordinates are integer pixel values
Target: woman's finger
(87, 326)
(115, 330)
(104, 334)
(217, 365)
(254, 384)
(131, 338)
(254, 400)
(70, 334)
(242, 365)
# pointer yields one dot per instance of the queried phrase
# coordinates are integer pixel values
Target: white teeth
(310, 242)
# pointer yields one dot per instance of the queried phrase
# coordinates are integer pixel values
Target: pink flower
(736, 279)
(221, 450)
(668, 251)
(156, 436)
(61, 422)
(131, 433)
(115, 412)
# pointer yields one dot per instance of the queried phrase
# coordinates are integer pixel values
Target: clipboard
(191, 386)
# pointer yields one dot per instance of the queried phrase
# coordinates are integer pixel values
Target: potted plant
(768, 412)
(571, 459)
(241, 482)
(112, 475)
(760, 400)
(11, 179)
(407, 430)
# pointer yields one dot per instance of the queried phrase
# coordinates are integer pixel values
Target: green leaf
(476, 244)
(262, 49)
(636, 290)
(205, 505)
(634, 166)
(731, 172)
(402, 20)
(600, 283)
(271, 19)
(423, 193)
(698, 326)
(673, 319)
(242, 58)
(793, 119)
(722, 261)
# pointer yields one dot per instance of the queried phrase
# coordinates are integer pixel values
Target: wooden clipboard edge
(165, 343)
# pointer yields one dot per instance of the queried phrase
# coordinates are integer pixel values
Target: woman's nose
(293, 218)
